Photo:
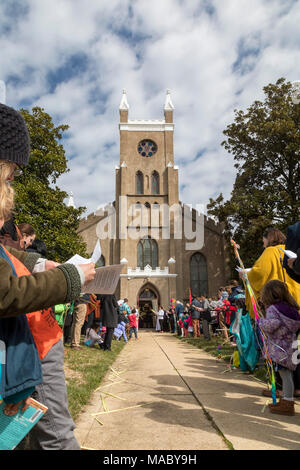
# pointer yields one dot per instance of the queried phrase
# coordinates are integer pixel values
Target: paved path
(188, 402)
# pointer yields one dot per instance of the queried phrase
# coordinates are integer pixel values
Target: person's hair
(221, 289)
(274, 237)
(125, 301)
(38, 246)
(6, 191)
(228, 289)
(239, 302)
(26, 229)
(133, 310)
(276, 291)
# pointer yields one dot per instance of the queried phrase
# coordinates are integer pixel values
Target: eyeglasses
(16, 172)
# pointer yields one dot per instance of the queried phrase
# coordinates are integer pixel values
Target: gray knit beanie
(14, 137)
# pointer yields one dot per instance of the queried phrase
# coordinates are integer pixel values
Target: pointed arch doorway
(147, 301)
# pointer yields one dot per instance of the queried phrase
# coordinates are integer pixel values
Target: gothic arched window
(198, 275)
(147, 253)
(139, 177)
(155, 182)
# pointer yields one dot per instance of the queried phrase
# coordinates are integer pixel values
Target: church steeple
(70, 202)
(124, 107)
(168, 108)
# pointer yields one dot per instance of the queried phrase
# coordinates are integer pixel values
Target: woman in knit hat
(27, 293)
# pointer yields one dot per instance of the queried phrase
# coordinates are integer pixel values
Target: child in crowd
(120, 331)
(185, 321)
(190, 326)
(214, 304)
(180, 326)
(133, 324)
(281, 325)
(160, 319)
(92, 337)
(102, 332)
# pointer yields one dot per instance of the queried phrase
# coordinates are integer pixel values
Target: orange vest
(43, 325)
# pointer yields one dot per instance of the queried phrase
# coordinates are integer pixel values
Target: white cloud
(214, 55)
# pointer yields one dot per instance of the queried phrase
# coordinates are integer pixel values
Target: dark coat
(195, 315)
(178, 310)
(206, 314)
(293, 244)
(109, 311)
(296, 265)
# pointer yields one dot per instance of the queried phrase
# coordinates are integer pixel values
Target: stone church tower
(152, 246)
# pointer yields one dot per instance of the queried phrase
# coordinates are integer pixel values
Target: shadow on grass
(89, 366)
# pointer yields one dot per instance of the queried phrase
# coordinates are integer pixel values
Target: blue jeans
(133, 330)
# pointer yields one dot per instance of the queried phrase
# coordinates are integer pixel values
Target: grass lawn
(84, 370)
(216, 348)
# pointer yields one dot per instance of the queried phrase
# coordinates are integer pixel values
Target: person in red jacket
(226, 315)
(133, 324)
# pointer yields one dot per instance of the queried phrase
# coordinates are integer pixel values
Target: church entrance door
(148, 302)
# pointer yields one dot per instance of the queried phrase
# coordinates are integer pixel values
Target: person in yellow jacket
(269, 267)
(265, 269)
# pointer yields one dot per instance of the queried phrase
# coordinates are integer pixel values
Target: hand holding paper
(88, 271)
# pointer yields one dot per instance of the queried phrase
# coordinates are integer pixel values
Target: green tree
(265, 143)
(39, 201)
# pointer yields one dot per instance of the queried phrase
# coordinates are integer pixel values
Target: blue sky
(74, 57)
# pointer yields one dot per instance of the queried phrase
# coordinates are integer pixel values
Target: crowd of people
(202, 316)
(34, 342)
(274, 290)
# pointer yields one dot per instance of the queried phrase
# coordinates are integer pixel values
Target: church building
(165, 246)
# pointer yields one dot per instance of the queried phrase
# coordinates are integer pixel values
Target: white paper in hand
(77, 259)
(105, 281)
(96, 253)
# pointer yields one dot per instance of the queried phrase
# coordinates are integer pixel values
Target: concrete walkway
(169, 395)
